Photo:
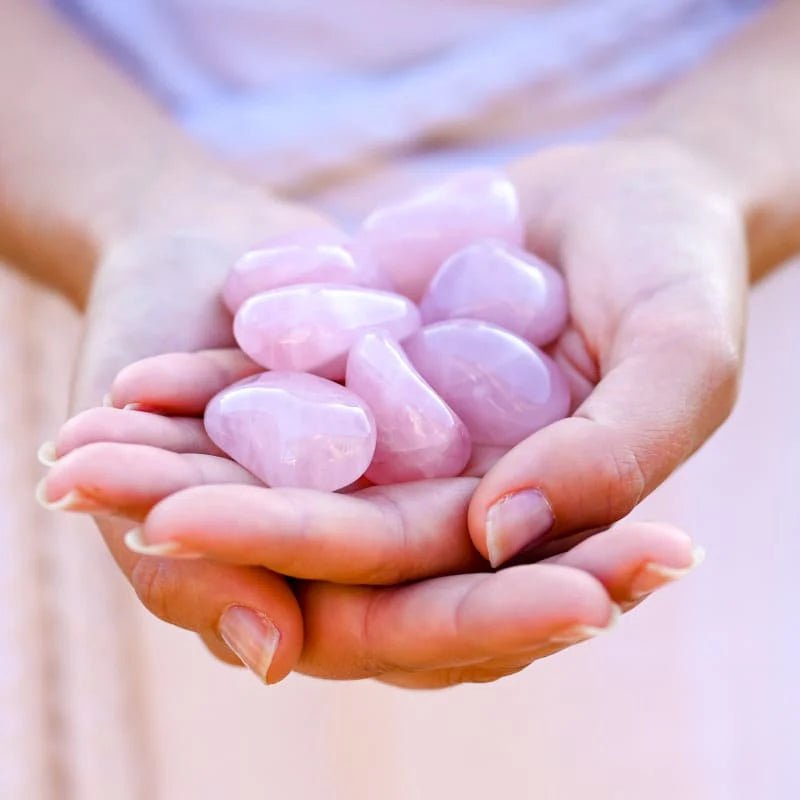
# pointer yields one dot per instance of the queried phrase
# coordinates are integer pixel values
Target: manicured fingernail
(46, 454)
(515, 522)
(135, 542)
(653, 576)
(71, 501)
(579, 633)
(252, 636)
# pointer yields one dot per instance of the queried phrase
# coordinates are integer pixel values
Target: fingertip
(46, 455)
(254, 639)
(582, 474)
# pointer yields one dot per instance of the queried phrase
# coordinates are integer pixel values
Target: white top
(315, 85)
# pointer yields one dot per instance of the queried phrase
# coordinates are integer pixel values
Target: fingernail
(107, 401)
(134, 407)
(71, 501)
(515, 522)
(46, 454)
(252, 636)
(579, 633)
(653, 576)
(135, 542)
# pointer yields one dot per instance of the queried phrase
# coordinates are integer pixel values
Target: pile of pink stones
(392, 353)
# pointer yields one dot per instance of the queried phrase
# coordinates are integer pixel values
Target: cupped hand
(157, 289)
(391, 585)
(652, 247)
(653, 254)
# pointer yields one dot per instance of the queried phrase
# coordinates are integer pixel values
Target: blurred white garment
(695, 696)
(298, 88)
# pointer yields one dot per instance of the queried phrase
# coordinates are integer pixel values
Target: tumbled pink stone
(318, 255)
(502, 387)
(419, 436)
(411, 239)
(311, 327)
(293, 429)
(500, 283)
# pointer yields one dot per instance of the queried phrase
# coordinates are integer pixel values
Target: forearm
(85, 156)
(740, 112)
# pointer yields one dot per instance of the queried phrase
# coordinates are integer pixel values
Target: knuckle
(371, 660)
(156, 585)
(721, 358)
(625, 479)
(384, 570)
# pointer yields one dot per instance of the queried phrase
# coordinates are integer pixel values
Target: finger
(381, 535)
(180, 383)
(178, 434)
(634, 559)
(356, 632)
(648, 414)
(479, 672)
(243, 614)
(129, 479)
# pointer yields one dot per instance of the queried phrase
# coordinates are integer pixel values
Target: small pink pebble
(311, 327)
(317, 255)
(418, 434)
(411, 239)
(503, 388)
(292, 429)
(500, 283)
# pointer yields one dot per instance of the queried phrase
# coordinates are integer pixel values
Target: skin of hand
(652, 246)
(641, 299)
(160, 291)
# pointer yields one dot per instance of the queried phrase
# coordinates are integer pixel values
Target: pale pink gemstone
(419, 436)
(500, 283)
(317, 255)
(293, 429)
(411, 239)
(311, 328)
(502, 387)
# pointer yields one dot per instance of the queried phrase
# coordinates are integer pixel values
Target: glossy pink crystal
(500, 283)
(502, 387)
(310, 328)
(419, 436)
(292, 429)
(308, 256)
(411, 239)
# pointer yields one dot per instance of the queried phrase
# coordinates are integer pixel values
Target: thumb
(656, 286)
(646, 416)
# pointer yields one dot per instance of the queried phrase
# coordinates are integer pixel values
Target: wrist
(764, 189)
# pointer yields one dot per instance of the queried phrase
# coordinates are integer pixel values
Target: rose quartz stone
(309, 256)
(411, 239)
(500, 283)
(293, 429)
(310, 328)
(419, 436)
(502, 387)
